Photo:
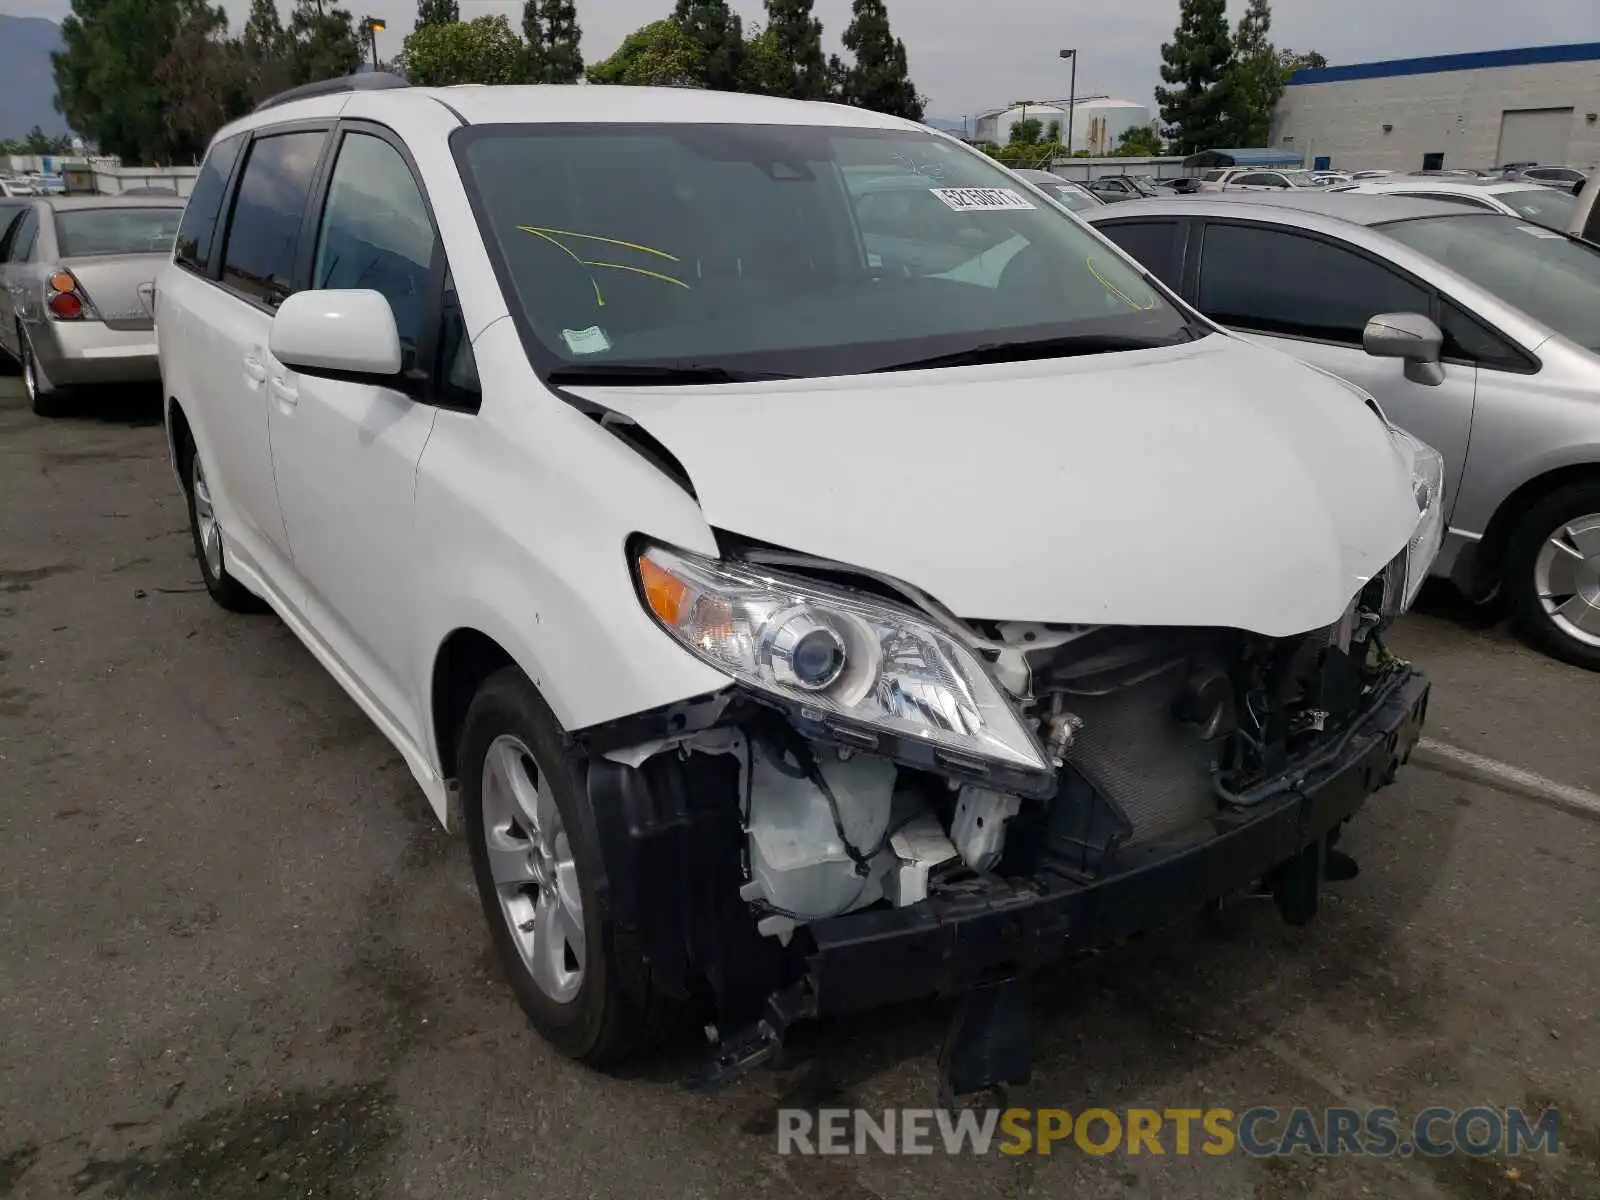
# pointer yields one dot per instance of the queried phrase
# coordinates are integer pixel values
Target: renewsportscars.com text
(1260, 1132)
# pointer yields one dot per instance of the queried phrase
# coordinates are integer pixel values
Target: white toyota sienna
(811, 569)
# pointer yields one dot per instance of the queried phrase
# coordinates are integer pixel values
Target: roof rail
(367, 81)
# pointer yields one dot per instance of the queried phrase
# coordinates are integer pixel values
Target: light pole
(1072, 95)
(374, 26)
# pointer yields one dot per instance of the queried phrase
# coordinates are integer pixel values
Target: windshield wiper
(644, 374)
(1003, 352)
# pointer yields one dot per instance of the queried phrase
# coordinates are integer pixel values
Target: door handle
(254, 368)
(285, 393)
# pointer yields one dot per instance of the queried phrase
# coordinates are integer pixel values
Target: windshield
(1543, 206)
(1553, 278)
(801, 251)
(1143, 184)
(1301, 179)
(1071, 195)
(84, 231)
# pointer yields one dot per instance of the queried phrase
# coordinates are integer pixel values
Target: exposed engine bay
(1018, 787)
(1149, 734)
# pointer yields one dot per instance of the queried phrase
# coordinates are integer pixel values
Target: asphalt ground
(239, 959)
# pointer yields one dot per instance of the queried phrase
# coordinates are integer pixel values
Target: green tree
(1139, 142)
(662, 54)
(323, 43)
(437, 12)
(264, 52)
(879, 79)
(1026, 132)
(203, 71)
(554, 41)
(1254, 81)
(720, 34)
(38, 142)
(108, 85)
(797, 35)
(1289, 62)
(1195, 63)
(765, 71)
(1052, 130)
(483, 50)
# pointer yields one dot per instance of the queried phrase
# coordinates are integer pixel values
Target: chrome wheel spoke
(510, 861)
(531, 863)
(1582, 613)
(1584, 535)
(549, 963)
(570, 902)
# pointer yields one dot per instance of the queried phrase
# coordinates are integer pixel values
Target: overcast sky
(966, 55)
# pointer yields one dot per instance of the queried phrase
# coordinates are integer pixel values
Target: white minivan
(800, 603)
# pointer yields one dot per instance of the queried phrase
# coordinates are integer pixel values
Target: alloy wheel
(205, 517)
(30, 373)
(1566, 577)
(535, 873)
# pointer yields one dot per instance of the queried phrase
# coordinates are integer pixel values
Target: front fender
(524, 511)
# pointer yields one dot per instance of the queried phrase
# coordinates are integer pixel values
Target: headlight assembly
(843, 660)
(1427, 485)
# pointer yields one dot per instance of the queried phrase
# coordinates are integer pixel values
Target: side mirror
(339, 334)
(1409, 336)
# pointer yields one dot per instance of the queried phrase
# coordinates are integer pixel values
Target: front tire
(538, 867)
(1553, 574)
(206, 532)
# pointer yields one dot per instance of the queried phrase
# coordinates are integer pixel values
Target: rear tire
(1553, 574)
(44, 397)
(206, 532)
(538, 866)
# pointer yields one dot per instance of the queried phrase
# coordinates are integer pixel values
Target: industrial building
(1097, 121)
(1537, 104)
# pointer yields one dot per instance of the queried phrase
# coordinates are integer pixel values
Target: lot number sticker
(982, 199)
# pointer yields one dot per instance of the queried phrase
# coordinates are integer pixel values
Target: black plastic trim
(948, 945)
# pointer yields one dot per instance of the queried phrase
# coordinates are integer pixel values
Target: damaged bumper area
(767, 864)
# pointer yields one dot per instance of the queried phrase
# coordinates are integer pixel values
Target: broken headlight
(1427, 485)
(836, 655)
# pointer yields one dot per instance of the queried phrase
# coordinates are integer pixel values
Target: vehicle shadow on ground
(136, 406)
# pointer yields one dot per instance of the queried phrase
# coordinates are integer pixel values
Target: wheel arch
(1489, 562)
(465, 658)
(179, 436)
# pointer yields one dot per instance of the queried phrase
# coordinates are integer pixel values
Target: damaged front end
(890, 803)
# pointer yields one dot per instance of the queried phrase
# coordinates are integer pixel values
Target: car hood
(1213, 484)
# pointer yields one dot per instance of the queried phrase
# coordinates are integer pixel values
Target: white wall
(113, 181)
(1457, 113)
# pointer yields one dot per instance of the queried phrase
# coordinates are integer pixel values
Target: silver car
(77, 290)
(1072, 196)
(1531, 201)
(1480, 333)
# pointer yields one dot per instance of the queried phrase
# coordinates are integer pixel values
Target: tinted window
(1153, 243)
(10, 222)
(1552, 278)
(1466, 340)
(1279, 282)
(376, 233)
(199, 226)
(265, 231)
(1543, 206)
(127, 230)
(1456, 198)
(24, 237)
(1260, 179)
(805, 250)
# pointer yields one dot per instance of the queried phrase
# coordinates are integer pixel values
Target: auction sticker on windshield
(967, 199)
